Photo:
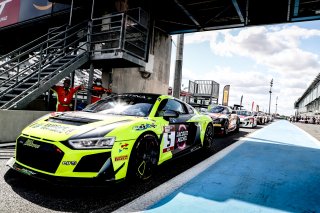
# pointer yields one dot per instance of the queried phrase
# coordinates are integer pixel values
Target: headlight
(92, 143)
(218, 120)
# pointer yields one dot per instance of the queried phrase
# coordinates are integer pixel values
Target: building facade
(309, 103)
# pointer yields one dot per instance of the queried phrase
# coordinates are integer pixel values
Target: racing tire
(143, 158)
(208, 141)
(226, 130)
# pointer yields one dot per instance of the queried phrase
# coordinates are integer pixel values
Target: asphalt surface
(20, 193)
(312, 129)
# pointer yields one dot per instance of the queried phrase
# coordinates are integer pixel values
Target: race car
(225, 120)
(120, 137)
(247, 119)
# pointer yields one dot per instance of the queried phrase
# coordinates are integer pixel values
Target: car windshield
(245, 113)
(216, 109)
(125, 104)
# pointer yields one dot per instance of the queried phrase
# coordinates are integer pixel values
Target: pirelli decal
(121, 158)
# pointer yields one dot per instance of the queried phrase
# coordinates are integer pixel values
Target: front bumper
(54, 161)
(58, 180)
(218, 128)
(247, 123)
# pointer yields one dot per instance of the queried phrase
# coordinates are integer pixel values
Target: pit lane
(23, 194)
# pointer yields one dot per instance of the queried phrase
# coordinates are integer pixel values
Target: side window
(170, 104)
(225, 111)
(176, 106)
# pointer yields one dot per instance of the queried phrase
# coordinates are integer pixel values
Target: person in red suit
(64, 95)
(98, 90)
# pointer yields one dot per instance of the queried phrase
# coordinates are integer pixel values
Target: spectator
(64, 95)
(98, 90)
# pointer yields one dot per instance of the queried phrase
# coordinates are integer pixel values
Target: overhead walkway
(275, 169)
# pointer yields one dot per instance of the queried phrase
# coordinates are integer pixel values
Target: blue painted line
(275, 169)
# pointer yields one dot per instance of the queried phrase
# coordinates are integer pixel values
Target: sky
(248, 58)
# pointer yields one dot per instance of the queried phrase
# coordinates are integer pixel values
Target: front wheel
(144, 158)
(238, 126)
(226, 128)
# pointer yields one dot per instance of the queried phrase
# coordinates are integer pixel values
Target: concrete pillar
(130, 79)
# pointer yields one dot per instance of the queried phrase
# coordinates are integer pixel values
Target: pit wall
(12, 122)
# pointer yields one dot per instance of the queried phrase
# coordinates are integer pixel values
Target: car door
(180, 134)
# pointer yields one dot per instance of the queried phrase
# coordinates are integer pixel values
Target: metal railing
(36, 66)
(33, 65)
(122, 32)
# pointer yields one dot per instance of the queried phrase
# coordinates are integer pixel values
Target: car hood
(217, 115)
(72, 125)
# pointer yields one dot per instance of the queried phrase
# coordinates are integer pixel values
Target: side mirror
(170, 114)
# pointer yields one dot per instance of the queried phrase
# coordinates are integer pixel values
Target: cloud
(278, 49)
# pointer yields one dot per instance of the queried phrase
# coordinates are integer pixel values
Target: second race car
(225, 120)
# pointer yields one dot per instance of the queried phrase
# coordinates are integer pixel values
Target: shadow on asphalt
(107, 198)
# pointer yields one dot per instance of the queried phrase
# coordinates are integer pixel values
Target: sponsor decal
(69, 163)
(169, 135)
(121, 158)
(25, 171)
(52, 127)
(144, 126)
(182, 136)
(30, 143)
(123, 147)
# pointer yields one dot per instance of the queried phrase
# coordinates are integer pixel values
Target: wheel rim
(146, 157)
(209, 136)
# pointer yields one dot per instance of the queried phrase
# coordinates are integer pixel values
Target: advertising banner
(225, 99)
(33, 9)
(9, 12)
(14, 11)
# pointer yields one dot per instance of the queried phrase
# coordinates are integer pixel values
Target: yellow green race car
(122, 136)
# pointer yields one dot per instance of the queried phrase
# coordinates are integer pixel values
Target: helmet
(98, 81)
(66, 81)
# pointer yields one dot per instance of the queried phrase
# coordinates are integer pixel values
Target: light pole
(271, 83)
(178, 68)
(276, 105)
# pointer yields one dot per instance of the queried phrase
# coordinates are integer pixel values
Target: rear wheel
(208, 142)
(144, 158)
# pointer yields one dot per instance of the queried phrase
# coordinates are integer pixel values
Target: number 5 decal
(169, 137)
